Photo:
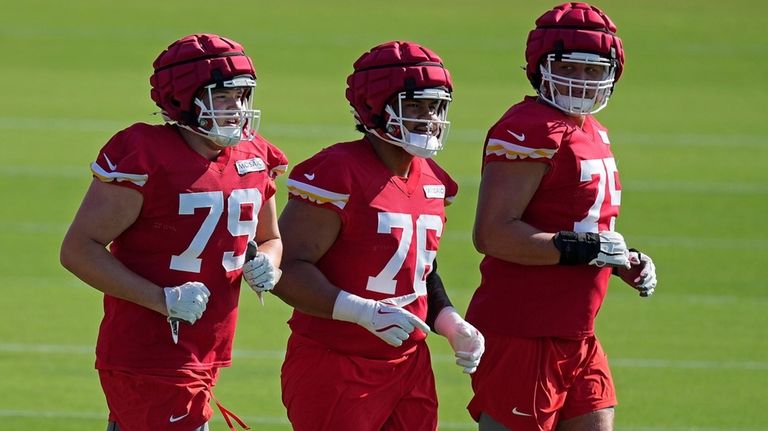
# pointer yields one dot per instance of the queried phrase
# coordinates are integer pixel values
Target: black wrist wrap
(437, 297)
(577, 248)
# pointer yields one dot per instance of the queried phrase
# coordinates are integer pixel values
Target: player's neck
(396, 159)
(578, 119)
(199, 144)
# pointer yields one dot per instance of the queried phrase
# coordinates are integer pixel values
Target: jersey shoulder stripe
(108, 176)
(513, 151)
(316, 194)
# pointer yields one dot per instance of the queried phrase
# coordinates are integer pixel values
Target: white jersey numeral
(385, 281)
(189, 260)
(606, 171)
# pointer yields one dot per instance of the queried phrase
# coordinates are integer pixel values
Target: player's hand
(642, 274)
(259, 272)
(613, 251)
(186, 302)
(385, 319)
(467, 342)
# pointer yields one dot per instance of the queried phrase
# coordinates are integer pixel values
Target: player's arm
(437, 297)
(268, 233)
(307, 234)
(106, 211)
(641, 274)
(505, 191)
(262, 267)
(467, 342)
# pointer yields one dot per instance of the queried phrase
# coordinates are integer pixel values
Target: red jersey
(580, 192)
(390, 232)
(195, 222)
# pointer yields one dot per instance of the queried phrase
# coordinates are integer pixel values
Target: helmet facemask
(427, 134)
(239, 124)
(579, 96)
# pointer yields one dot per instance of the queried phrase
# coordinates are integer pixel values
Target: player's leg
(487, 423)
(172, 400)
(113, 426)
(416, 409)
(601, 420)
(592, 397)
(516, 386)
(324, 390)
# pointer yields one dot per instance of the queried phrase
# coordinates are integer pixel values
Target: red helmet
(572, 27)
(188, 66)
(389, 73)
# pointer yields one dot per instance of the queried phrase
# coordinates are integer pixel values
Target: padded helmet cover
(191, 63)
(572, 27)
(387, 70)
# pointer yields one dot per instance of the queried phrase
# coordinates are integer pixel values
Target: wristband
(577, 248)
(437, 297)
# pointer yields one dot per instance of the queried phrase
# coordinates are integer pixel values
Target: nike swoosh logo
(111, 165)
(515, 411)
(519, 136)
(173, 419)
(310, 176)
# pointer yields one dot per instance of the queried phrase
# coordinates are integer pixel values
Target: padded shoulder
(527, 131)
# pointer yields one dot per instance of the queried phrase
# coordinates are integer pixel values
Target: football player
(545, 221)
(163, 231)
(361, 231)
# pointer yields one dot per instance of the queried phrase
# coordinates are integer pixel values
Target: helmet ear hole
(378, 121)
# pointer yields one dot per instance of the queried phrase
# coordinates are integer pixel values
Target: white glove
(642, 274)
(613, 251)
(186, 302)
(467, 342)
(260, 274)
(385, 319)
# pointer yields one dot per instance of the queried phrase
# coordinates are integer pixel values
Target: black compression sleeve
(437, 297)
(577, 248)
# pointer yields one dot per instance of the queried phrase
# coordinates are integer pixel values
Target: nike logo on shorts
(517, 412)
(173, 418)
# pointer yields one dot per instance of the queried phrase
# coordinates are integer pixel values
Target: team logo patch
(434, 192)
(250, 165)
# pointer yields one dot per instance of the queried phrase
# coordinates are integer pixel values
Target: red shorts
(325, 390)
(532, 383)
(152, 400)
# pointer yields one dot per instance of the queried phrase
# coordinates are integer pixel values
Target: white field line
(458, 235)
(264, 420)
(271, 420)
(280, 354)
(466, 236)
(342, 130)
(664, 186)
(467, 181)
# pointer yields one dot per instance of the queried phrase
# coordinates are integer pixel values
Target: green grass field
(687, 124)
